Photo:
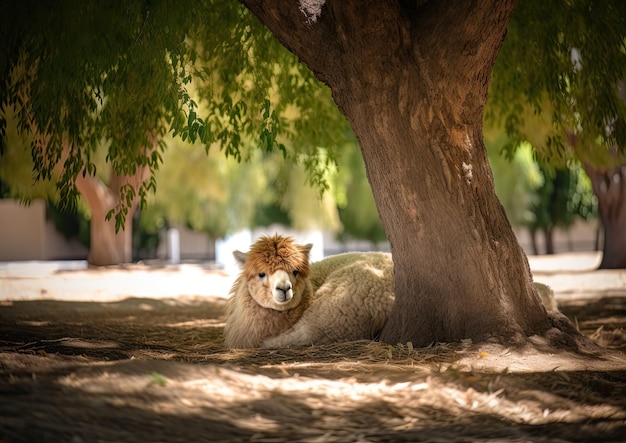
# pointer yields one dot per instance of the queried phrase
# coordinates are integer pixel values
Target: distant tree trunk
(107, 247)
(412, 79)
(609, 185)
(533, 241)
(549, 236)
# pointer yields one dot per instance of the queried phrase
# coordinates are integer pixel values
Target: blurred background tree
(558, 83)
(564, 195)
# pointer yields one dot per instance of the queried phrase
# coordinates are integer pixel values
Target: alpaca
(270, 294)
(280, 300)
(547, 296)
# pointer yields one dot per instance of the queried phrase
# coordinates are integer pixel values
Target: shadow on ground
(156, 370)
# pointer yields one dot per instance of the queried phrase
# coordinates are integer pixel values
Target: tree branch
(291, 26)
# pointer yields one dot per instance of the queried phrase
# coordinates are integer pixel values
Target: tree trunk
(609, 185)
(107, 246)
(412, 79)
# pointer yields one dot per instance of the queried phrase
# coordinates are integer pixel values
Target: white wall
(25, 234)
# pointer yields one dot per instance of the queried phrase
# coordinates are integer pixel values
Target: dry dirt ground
(134, 354)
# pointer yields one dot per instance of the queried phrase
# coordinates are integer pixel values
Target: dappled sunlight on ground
(136, 353)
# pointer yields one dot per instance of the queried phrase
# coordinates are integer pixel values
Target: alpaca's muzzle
(283, 292)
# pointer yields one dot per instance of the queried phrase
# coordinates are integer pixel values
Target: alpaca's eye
(261, 274)
(295, 273)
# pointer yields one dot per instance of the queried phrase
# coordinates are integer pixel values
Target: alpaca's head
(275, 271)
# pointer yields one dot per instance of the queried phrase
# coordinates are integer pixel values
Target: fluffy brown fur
(269, 254)
(252, 315)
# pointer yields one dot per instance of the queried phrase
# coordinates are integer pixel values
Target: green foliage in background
(558, 81)
(534, 195)
(219, 195)
(70, 222)
(563, 195)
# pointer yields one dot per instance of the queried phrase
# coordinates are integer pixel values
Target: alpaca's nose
(286, 286)
(282, 292)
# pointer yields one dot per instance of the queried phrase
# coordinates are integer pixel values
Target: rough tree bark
(412, 79)
(609, 186)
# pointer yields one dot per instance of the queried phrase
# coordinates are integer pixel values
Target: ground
(135, 353)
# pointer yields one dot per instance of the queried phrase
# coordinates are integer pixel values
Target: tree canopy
(78, 74)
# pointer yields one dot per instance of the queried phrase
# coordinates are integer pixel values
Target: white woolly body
(346, 297)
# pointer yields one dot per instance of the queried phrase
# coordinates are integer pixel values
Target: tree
(412, 80)
(102, 193)
(609, 185)
(82, 75)
(559, 83)
(558, 201)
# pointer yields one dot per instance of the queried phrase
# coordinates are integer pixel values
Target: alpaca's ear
(306, 249)
(241, 257)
